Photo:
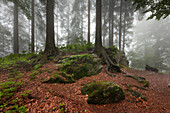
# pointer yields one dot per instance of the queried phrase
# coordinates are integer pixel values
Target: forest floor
(48, 98)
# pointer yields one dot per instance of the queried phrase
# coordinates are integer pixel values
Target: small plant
(62, 107)
(7, 90)
(25, 93)
(15, 100)
(16, 60)
(36, 67)
(54, 108)
(33, 74)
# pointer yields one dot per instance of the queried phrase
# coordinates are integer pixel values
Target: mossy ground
(17, 60)
(34, 96)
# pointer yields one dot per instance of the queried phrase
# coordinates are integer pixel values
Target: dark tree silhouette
(32, 31)
(50, 48)
(16, 40)
(89, 4)
(99, 49)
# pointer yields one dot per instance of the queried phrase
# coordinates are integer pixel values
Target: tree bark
(57, 26)
(16, 40)
(104, 32)
(111, 5)
(32, 31)
(120, 27)
(124, 32)
(99, 49)
(82, 23)
(98, 41)
(50, 49)
(89, 4)
(68, 23)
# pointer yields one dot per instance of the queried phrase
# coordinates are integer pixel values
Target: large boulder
(80, 66)
(103, 92)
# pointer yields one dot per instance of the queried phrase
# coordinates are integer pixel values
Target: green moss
(7, 90)
(103, 92)
(80, 65)
(56, 79)
(69, 78)
(79, 47)
(16, 60)
(37, 66)
(140, 80)
(146, 84)
(33, 74)
(137, 94)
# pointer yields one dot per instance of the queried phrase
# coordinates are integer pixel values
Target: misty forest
(84, 56)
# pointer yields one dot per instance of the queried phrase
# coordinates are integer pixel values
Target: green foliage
(158, 9)
(62, 107)
(7, 90)
(36, 71)
(33, 74)
(25, 93)
(14, 73)
(19, 109)
(75, 58)
(36, 67)
(77, 48)
(16, 60)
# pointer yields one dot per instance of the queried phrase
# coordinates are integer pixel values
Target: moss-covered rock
(56, 79)
(81, 65)
(103, 92)
(60, 78)
(118, 57)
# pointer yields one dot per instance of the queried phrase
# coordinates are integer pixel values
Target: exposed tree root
(48, 53)
(110, 65)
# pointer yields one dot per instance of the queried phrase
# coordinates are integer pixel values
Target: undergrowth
(36, 70)
(16, 60)
(8, 103)
(77, 48)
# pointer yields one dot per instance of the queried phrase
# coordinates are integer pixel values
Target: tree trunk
(50, 49)
(124, 32)
(113, 21)
(98, 41)
(99, 49)
(68, 23)
(82, 21)
(57, 26)
(120, 27)
(16, 40)
(32, 31)
(89, 4)
(111, 5)
(104, 40)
